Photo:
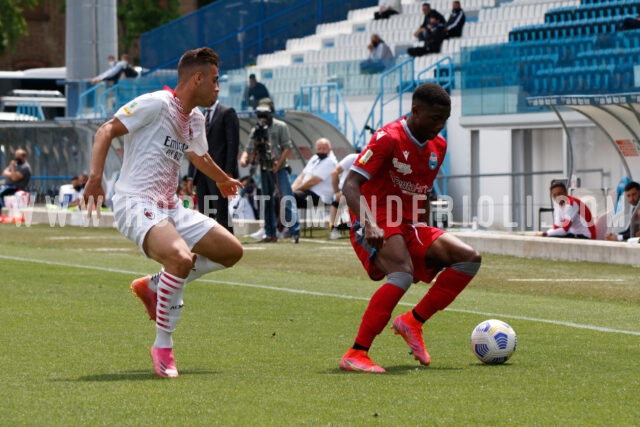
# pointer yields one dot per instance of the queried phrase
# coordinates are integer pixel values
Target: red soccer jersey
(400, 172)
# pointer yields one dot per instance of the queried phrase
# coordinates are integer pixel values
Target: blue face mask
(322, 156)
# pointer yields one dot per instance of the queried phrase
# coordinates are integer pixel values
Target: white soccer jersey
(159, 135)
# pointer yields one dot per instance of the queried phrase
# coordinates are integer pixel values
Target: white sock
(170, 290)
(153, 282)
(202, 266)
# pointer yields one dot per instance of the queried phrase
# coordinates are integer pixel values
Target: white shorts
(134, 218)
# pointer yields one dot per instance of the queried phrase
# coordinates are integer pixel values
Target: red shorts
(418, 238)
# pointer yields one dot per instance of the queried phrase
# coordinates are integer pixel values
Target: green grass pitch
(259, 344)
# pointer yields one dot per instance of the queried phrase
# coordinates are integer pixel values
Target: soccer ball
(493, 341)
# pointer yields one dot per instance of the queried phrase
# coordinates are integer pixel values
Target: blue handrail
(325, 100)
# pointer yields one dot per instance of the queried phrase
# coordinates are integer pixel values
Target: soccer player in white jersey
(158, 129)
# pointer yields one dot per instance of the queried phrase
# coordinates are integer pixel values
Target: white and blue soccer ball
(493, 341)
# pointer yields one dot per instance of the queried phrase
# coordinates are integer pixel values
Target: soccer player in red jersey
(387, 191)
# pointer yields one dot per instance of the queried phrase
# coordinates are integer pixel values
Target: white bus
(34, 94)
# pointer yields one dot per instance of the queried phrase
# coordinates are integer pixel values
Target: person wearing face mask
(380, 56)
(78, 189)
(314, 182)
(268, 147)
(571, 217)
(16, 175)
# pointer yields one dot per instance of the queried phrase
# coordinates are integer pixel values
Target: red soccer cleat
(140, 287)
(359, 361)
(410, 329)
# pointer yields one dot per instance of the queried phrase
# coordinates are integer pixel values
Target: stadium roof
(617, 115)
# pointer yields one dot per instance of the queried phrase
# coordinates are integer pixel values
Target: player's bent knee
(179, 262)
(235, 254)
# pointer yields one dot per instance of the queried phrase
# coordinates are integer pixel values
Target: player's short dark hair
(194, 59)
(558, 183)
(431, 94)
(631, 186)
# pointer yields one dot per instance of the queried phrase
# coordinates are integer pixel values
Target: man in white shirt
(315, 179)
(387, 8)
(158, 129)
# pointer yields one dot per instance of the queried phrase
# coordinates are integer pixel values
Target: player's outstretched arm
(93, 195)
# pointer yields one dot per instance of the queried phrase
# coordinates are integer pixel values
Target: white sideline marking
(324, 294)
(577, 279)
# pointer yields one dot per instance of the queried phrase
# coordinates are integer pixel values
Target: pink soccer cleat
(163, 362)
(410, 329)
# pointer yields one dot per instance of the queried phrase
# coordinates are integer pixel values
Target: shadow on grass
(394, 370)
(139, 375)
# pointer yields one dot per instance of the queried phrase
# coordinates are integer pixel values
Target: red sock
(446, 288)
(378, 313)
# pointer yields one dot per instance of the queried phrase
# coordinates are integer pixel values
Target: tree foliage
(138, 16)
(13, 26)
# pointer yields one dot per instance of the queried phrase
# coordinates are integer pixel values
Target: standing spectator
(387, 8)
(118, 70)
(160, 127)
(571, 217)
(338, 176)
(380, 56)
(434, 37)
(269, 146)
(315, 179)
(387, 191)
(254, 93)
(453, 26)
(632, 194)
(16, 175)
(223, 138)
(422, 31)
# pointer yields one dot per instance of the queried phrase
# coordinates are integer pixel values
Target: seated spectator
(421, 32)
(453, 27)
(380, 57)
(338, 176)
(76, 195)
(254, 93)
(315, 179)
(387, 8)
(631, 23)
(16, 175)
(245, 205)
(571, 217)
(632, 194)
(433, 42)
(118, 70)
